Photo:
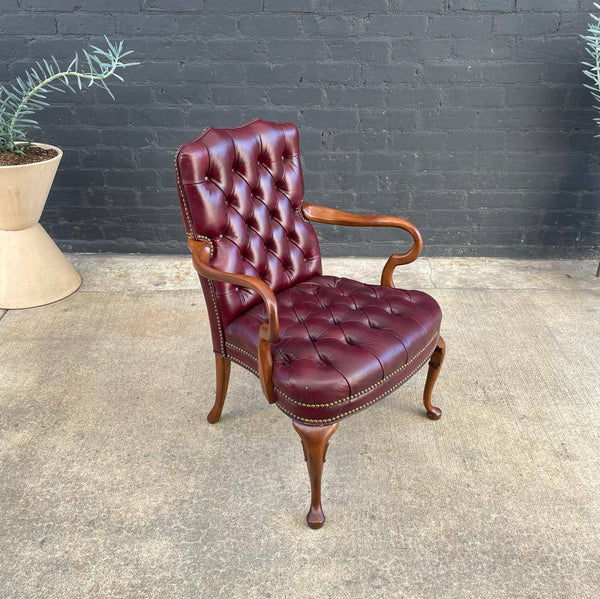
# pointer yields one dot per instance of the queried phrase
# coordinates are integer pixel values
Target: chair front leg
(223, 369)
(315, 440)
(435, 363)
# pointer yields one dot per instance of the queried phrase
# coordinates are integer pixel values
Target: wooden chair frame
(315, 439)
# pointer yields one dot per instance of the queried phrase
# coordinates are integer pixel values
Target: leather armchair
(323, 347)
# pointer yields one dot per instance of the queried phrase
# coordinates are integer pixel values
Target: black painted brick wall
(466, 116)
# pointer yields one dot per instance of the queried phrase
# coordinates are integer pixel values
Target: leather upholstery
(342, 344)
(242, 190)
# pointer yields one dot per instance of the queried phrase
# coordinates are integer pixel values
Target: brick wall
(466, 116)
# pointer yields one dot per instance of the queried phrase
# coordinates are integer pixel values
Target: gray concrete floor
(114, 485)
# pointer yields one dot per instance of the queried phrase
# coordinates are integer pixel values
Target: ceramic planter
(33, 271)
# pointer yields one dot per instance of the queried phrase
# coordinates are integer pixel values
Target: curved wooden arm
(331, 216)
(269, 331)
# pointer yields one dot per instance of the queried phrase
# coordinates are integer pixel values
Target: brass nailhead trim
(355, 410)
(341, 416)
(350, 397)
(241, 351)
(184, 201)
(303, 216)
(208, 240)
(180, 190)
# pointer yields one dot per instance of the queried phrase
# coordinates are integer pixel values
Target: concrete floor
(114, 485)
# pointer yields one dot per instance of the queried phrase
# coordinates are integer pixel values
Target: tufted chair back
(241, 190)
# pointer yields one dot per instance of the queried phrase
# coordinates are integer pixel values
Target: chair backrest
(241, 191)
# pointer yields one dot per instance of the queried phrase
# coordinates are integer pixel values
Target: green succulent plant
(592, 47)
(22, 99)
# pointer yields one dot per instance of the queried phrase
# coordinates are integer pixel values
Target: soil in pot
(32, 154)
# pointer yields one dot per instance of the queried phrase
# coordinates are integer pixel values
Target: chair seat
(343, 345)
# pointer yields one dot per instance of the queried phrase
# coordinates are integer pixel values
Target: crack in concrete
(431, 273)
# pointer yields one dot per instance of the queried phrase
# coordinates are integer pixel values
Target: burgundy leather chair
(323, 347)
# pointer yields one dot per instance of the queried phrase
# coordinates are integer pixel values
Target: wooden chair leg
(223, 369)
(315, 440)
(437, 359)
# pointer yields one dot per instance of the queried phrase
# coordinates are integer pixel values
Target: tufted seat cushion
(342, 346)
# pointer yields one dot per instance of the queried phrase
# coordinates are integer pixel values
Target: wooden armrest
(331, 216)
(269, 331)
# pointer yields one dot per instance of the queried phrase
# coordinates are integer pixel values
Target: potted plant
(33, 271)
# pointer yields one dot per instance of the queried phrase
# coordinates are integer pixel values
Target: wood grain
(331, 216)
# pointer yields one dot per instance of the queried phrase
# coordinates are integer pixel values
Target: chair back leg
(315, 440)
(223, 369)
(435, 363)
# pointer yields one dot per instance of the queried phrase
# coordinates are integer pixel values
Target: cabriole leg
(435, 363)
(223, 368)
(315, 440)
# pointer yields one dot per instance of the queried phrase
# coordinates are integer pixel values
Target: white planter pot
(33, 271)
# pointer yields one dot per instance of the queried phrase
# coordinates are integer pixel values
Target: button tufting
(413, 336)
(361, 365)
